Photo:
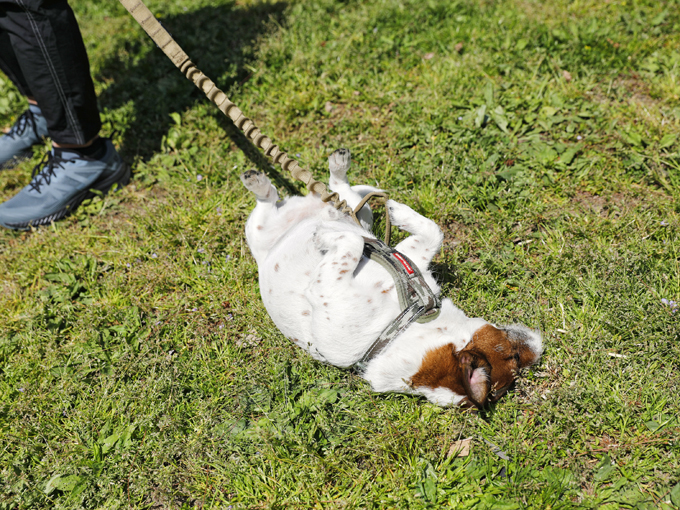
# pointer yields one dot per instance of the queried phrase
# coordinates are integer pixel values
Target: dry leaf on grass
(428, 56)
(329, 106)
(459, 47)
(566, 75)
(460, 448)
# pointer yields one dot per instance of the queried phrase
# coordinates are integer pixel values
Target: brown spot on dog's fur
(306, 312)
(325, 304)
(378, 284)
(276, 267)
(388, 289)
(344, 271)
(369, 301)
(260, 227)
(440, 368)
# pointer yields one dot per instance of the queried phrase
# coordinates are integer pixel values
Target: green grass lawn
(139, 368)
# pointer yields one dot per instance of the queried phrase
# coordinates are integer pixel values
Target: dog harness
(418, 302)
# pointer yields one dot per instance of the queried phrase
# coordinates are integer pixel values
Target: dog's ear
(526, 342)
(475, 377)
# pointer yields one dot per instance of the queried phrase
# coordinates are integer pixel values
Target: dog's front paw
(399, 213)
(339, 162)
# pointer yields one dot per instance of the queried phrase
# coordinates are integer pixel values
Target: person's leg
(50, 52)
(49, 49)
(9, 63)
(31, 127)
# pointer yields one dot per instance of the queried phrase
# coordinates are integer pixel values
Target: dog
(334, 302)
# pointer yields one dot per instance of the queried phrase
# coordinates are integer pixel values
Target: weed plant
(139, 369)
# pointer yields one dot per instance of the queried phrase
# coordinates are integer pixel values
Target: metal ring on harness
(388, 222)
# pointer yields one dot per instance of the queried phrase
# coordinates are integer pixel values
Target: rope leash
(174, 52)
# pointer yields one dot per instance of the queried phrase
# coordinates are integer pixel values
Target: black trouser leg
(49, 62)
(10, 65)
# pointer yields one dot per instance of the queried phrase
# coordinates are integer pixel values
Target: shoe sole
(120, 178)
(16, 160)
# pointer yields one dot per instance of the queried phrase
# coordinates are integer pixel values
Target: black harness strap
(418, 302)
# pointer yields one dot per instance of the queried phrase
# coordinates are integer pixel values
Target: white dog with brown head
(334, 302)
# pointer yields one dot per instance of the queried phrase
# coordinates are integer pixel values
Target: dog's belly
(284, 278)
(334, 321)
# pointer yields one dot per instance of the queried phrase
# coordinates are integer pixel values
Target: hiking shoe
(15, 145)
(66, 179)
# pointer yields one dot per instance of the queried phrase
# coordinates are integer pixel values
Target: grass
(138, 367)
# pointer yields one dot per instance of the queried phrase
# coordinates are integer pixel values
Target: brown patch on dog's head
(503, 352)
(486, 368)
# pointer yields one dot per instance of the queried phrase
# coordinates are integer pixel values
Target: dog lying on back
(333, 302)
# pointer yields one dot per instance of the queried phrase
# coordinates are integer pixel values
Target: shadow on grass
(446, 275)
(144, 92)
(256, 156)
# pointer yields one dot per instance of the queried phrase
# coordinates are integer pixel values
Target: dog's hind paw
(257, 182)
(321, 241)
(326, 239)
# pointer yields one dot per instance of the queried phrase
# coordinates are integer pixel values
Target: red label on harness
(406, 265)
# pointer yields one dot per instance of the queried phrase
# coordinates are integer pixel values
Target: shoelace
(48, 163)
(25, 120)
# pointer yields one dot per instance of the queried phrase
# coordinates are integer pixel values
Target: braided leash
(175, 53)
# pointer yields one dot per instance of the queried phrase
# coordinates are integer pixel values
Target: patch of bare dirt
(615, 203)
(596, 204)
(631, 88)
(339, 112)
(455, 233)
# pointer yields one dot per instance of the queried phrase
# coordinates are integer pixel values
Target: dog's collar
(418, 302)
